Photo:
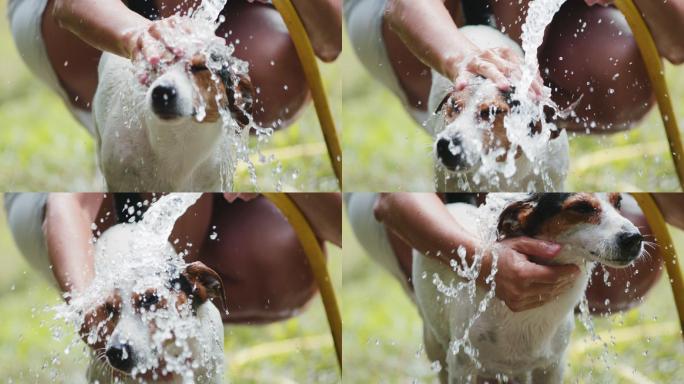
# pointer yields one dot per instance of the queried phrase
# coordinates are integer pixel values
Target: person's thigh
(266, 274)
(589, 54)
(260, 37)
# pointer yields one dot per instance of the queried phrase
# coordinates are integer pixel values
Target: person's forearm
(68, 218)
(324, 212)
(104, 24)
(424, 222)
(427, 29)
(323, 23)
(665, 19)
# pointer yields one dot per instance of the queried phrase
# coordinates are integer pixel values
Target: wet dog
(165, 135)
(472, 145)
(154, 318)
(527, 346)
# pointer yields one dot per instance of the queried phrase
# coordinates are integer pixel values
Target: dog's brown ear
(203, 283)
(525, 217)
(240, 97)
(514, 219)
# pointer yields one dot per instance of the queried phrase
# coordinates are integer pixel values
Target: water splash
(202, 41)
(486, 217)
(132, 265)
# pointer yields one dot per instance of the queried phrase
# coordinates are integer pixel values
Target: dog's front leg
(460, 369)
(435, 353)
(552, 374)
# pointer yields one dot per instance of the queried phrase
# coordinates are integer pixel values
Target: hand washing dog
(474, 150)
(166, 136)
(150, 316)
(527, 346)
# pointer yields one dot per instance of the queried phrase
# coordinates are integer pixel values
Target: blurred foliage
(383, 333)
(33, 344)
(385, 150)
(45, 149)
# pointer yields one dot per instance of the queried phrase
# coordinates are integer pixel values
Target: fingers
(549, 274)
(536, 295)
(534, 247)
(490, 71)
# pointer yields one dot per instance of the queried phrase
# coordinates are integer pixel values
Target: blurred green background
(298, 350)
(45, 149)
(383, 333)
(385, 150)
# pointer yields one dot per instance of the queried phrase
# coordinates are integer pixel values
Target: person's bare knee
(589, 53)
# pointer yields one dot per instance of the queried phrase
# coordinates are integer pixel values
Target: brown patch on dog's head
(548, 214)
(235, 92)
(103, 320)
(581, 208)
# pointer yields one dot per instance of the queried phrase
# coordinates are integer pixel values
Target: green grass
(49, 151)
(383, 332)
(298, 350)
(385, 150)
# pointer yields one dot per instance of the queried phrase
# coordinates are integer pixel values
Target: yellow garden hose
(316, 258)
(313, 76)
(657, 223)
(656, 73)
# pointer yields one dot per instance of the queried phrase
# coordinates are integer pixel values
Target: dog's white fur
(528, 345)
(554, 160)
(131, 328)
(138, 151)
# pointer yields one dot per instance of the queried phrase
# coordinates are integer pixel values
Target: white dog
(528, 345)
(165, 136)
(469, 124)
(148, 318)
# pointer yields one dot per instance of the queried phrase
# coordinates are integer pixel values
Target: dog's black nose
(164, 101)
(120, 356)
(450, 152)
(630, 244)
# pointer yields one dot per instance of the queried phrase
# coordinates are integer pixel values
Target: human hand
(166, 41)
(500, 65)
(232, 197)
(603, 3)
(523, 284)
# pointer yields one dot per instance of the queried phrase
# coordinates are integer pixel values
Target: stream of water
(134, 264)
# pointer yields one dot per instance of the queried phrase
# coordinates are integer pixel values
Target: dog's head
(588, 226)
(193, 91)
(473, 121)
(132, 330)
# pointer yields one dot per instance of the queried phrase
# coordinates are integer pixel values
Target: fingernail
(554, 248)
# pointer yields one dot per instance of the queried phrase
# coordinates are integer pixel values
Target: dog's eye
(453, 108)
(148, 300)
(111, 307)
(582, 207)
(198, 68)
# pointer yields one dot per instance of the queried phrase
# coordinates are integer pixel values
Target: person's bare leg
(260, 37)
(266, 274)
(589, 52)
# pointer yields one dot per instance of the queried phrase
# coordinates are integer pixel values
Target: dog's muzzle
(450, 153)
(165, 102)
(630, 245)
